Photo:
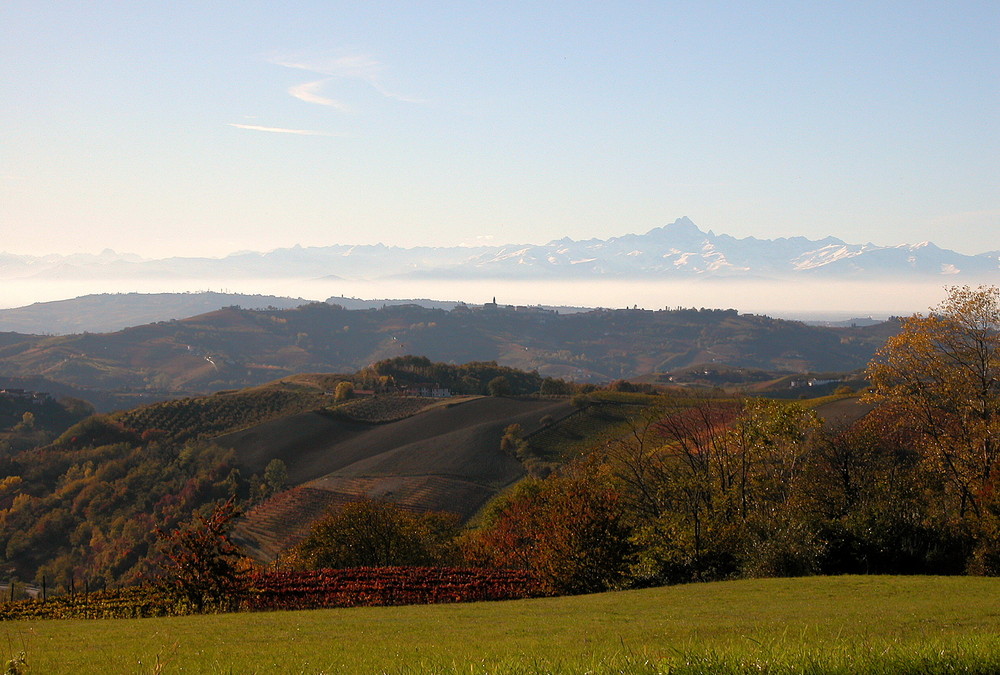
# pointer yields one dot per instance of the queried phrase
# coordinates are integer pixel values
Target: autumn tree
(711, 488)
(555, 387)
(875, 509)
(941, 374)
(275, 476)
(499, 386)
(201, 562)
(343, 391)
(569, 529)
(27, 422)
(512, 441)
(373, 533)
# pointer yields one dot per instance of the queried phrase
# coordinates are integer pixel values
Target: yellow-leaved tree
(941, 373)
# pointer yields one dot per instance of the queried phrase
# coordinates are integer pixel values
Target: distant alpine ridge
(676, 251)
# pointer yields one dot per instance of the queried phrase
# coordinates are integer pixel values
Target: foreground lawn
(815, 624)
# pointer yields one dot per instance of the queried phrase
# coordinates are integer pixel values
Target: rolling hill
(106, 312)
(233, 347)
(116, 480)
(445, 458)
(424, 454)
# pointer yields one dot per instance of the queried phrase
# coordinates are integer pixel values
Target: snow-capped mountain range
(675, 251)
(682, 249)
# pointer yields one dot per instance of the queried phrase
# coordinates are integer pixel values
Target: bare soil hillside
(843, 413)
(446, 458)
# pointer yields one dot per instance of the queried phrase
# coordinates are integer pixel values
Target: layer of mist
(804, 300)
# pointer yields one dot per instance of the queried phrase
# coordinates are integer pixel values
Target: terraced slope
(270, 527)
(443, 459)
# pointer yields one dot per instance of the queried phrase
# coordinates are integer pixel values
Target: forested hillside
(82, 496)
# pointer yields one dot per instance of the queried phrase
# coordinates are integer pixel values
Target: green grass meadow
(803, 625)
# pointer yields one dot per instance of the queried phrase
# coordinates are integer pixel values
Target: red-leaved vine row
(385, 586)
(286, 590)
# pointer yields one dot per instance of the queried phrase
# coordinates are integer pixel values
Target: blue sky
(205, 128)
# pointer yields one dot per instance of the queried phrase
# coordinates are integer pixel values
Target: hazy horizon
(803, 300)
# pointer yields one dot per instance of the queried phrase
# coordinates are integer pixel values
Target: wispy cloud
(309, 92)
(396, 95)
(281, 130)
(356, 67)
(353, 67)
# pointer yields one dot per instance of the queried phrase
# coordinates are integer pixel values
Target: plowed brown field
(445, 458)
